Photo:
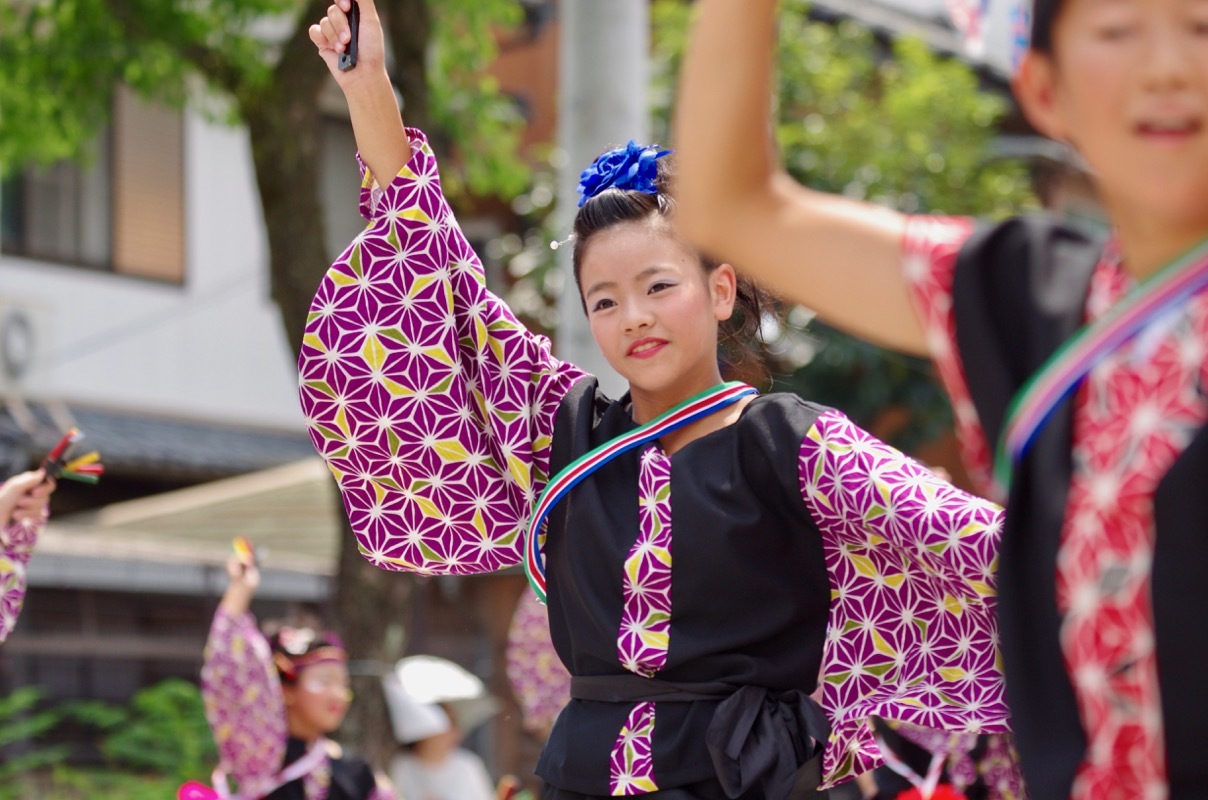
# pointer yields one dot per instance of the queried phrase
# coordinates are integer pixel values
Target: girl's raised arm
(372, 106)
(840, 257)
(243, 699)
(430, 402)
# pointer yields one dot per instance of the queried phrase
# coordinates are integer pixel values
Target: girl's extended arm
(840, 257)
(243, 699)
(912, 562)
(372, 105)
(432, 405)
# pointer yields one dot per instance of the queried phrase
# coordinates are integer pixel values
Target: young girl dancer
(1102, 441)
(271, 704)
(24, 500)
(699, 581)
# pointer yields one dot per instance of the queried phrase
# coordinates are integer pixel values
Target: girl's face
(653, 310)
(318, 700)
(1127, 85)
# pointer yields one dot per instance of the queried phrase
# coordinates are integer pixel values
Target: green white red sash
(1036, 400)
(687, 412)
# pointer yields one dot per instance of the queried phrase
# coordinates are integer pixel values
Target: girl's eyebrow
(609, 284)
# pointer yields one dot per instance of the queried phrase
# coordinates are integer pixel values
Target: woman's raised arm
(840, 257)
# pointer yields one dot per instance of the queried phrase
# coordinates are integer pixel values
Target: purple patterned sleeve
(912, 561)
(432, 405)
(17, 541)
(538, 678)
(244, 702)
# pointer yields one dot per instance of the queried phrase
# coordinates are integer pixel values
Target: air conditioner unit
(25, 348)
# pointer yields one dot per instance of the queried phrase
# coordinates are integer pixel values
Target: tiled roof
(145, 445)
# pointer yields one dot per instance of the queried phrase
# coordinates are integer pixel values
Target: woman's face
(1127, 85)
(318, 700)
(652, 309)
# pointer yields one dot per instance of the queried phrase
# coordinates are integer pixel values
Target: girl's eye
(602, 304)
(660, 286)
(1117, 32)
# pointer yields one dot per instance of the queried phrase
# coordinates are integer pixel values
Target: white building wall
(211, 349)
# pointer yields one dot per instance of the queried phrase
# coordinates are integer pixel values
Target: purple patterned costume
(803, 548)
(539, 681)
(17, 542)
(245, 707)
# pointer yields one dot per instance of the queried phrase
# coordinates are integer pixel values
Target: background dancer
(272, 703)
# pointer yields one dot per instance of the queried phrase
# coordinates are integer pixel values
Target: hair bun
(632, 168)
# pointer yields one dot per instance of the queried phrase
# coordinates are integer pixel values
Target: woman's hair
(1044, 16)
(295, 648)
(739, 337)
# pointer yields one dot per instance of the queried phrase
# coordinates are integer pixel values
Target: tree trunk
(369, 606)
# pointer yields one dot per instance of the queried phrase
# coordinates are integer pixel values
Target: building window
(61, 213)
(122, 211)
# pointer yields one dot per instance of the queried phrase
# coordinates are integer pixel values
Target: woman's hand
(332, 35)
(25, 497)
(244, 581)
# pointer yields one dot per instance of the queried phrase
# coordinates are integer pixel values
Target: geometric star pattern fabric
(912, 560)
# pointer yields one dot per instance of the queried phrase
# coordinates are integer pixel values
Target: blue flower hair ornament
(632, 167)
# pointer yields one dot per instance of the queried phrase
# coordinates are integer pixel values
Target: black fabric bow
(774, 740)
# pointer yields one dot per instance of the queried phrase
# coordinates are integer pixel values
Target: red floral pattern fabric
(1133, 416)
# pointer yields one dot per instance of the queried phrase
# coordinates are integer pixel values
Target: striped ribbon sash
(685, 413)
(311, 760)
(1040, 396)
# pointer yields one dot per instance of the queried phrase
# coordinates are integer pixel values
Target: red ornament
(945, 791)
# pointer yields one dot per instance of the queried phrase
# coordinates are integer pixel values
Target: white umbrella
(419, 683)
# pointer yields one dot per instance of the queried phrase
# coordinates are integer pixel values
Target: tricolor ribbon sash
(1040, 396)
(698, 407)
(311, 760)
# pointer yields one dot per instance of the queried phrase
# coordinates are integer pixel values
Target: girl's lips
(1170, 130)
(646, 348)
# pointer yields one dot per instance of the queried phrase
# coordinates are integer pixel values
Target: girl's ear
(1035, 87)
(723, 288)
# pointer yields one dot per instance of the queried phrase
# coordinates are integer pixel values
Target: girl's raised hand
(244, 581)
(332, 36)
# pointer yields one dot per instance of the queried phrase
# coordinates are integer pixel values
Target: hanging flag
(969, 19)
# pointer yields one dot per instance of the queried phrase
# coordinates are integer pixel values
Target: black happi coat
(1020, 291)
(351, 778)
(750, 593)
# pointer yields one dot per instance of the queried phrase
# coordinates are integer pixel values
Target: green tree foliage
(893, 123)
(62, 60)
(163, 731)
(23, 721)
(157, 742)
(251, 61)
